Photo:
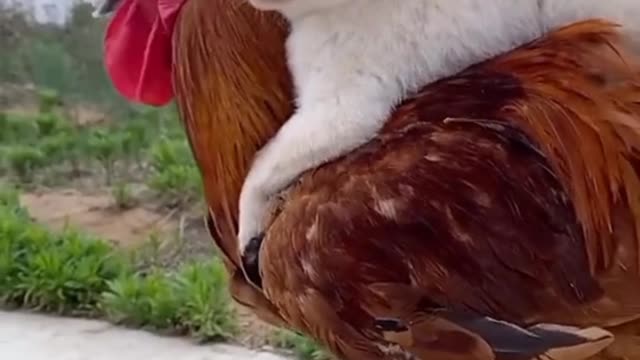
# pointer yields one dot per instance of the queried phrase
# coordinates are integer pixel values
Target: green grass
(192, 301)
(71, 273)
(149, 147)
(301, 346)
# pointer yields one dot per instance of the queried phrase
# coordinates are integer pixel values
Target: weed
(193, 300)
(174, 171)
(303, 347)
(136, 138)
(16, 128)
(149, 254)
(71, 273)
(149, 301)
(23, 160)
(206, 309)
(9, 196)
(104, 147)
(60, 146)
(123, 196)
(49, 100)
(180, 182)
(63, 273)
(49, 123)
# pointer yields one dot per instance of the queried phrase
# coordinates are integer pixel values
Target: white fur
(353, 61)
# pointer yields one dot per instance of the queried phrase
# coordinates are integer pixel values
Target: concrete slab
(29, 336)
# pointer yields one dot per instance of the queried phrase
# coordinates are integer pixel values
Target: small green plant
(135, 139)
(104, 147)
(303, 347)
(180, 182)
(16, 129)
(64, 273)
(24, 160)
(14, 245)
(61, 146)
(175, 174)
(149, 301)
(123, 196)
(49, 100)
(9, 196)
(149, 254)
(75, 148)
(194, 300)
(49, 123)
(206, 309)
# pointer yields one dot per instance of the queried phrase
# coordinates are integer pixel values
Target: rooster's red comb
(138, 49)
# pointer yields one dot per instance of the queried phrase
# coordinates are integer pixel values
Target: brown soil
(86, 115)
(97, 215)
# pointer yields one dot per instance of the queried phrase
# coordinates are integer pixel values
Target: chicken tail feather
(542, 341)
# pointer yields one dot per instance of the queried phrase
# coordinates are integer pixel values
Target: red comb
(138, 49)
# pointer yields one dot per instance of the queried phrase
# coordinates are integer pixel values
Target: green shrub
(170, 151)
(105, 147)
(71, 273)
(9, 196)
(303, 347)
(177, 181)
(24, 160)
(30, 142)
(137, 135)
(49, 123)
(194, 300)
(65, 273)
(12, 252)
(68, 275)
(206, 309)
(149, 301)
(123, 196)
(16, 129)
(62, 146)
(174, 171)
(49, 100)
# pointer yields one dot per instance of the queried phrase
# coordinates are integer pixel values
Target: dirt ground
(97, 215)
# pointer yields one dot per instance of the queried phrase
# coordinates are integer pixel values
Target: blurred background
(100, 200)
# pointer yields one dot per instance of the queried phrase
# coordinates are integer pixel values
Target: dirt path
(39, 337)
(94, 214)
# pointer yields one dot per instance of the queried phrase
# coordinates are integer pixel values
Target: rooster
(497, 215)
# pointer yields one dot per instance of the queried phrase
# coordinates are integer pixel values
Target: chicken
(496, 216)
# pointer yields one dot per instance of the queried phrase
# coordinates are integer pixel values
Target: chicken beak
(105, 7)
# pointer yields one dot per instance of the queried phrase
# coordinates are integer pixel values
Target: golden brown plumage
(462, 201)
(509, 191)
(472, 198)
(242, 109)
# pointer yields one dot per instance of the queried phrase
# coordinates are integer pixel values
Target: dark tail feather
(543, 341)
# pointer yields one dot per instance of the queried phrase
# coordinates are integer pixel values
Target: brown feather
(521, 206)
(229, 115)
(475, 218)
(592, 144)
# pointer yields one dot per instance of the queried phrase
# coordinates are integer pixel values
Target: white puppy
(353, 61)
